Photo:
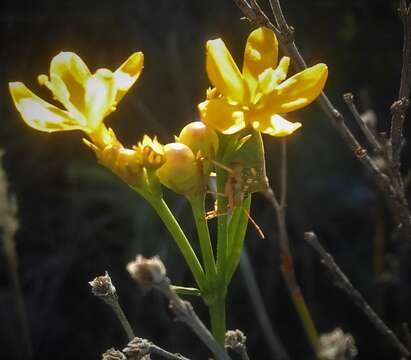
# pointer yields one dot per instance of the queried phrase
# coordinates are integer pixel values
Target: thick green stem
(217, 317)
(182, 242)
(197, 205)
(237, 231)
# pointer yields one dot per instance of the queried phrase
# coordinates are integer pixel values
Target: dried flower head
(102, 286)
(234, 339)
(147, 271)
(337, 345)
(113, 354)
(137, 348)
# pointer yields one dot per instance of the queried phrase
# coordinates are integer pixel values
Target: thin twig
(369, 134)
(287, 262)
(152, 273)
(400, 106)
(344, 283)
(395, 199)
(103, 288)
(251, 286)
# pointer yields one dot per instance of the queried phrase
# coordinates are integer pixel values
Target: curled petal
(275, 125)
(220, 115)
(297, 91)
(128, 73)
(38, 113)
(261, 52)
(68, 77)
(223, 71)
(99, 97)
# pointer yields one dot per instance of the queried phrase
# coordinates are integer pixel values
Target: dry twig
(103, 288)
(344, 283)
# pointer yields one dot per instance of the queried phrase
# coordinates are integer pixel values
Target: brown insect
(240, 181)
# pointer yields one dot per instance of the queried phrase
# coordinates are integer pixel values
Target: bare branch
(369, 134)
(103, 288)
(344, 283)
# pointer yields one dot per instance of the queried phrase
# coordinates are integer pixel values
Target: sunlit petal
(276, 125)
(297, 91)
(127, 74)
(261, 52)
(223, 71)
(99, 97)
(38, 113)
(68, 77)
(221, 115)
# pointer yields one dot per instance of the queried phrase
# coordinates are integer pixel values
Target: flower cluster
(252, 99)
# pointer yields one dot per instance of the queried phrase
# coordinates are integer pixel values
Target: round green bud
(180, 172)
(200, 138)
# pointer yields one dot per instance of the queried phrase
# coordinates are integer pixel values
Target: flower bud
(152, 153)
(125, 163)
(180, 172)
(200, 138)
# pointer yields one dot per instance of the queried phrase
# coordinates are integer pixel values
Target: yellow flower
(152, 153)
(87, 98)
(257, 95)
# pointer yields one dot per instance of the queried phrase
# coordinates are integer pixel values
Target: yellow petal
(222, 116)
(128, 73)
(38, 113)
(298, 91)
(223, 71)
(68, 77)
(261, 52)
(99, 97)
(276, 125)
(270, 78)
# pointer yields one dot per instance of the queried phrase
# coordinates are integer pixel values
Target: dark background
(77, 220)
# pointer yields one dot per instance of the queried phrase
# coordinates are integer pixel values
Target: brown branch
(287, 262)
(400, 106)
(369, 134)
(344, 283)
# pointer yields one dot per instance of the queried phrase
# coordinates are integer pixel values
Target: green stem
(217, 316)
(237, 231)
(198, 207)
(222, 225)
(182, 242)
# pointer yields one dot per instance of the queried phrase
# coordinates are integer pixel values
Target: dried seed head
(102, 286)
(113, 354)
(337, 345)
(137, 348)
(147, 271)
(234, 339)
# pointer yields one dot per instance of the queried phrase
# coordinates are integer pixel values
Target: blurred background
(78, 220)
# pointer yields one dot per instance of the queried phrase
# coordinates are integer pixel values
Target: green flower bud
(125, 163)
(180, 172)
(200, 138)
